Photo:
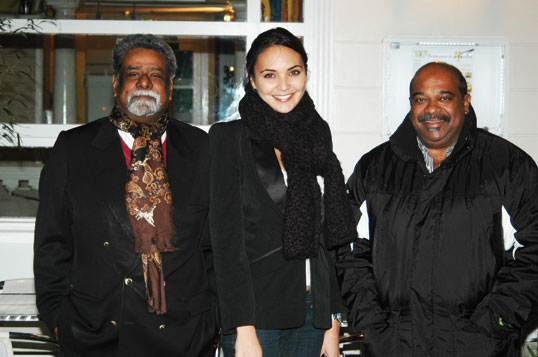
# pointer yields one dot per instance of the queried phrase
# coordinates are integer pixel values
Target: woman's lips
(283, 98)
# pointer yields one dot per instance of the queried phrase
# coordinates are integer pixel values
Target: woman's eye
(295, 72)
(268, 75)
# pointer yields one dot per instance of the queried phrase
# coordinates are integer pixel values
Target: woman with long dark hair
(271, 226)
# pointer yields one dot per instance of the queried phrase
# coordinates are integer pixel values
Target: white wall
(359, 29)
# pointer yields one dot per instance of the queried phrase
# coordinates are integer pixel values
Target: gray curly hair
(149, 42)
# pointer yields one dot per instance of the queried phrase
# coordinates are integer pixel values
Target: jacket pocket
(470, 339)
(84, 296)
(381, 340)
(268, 261)
(391, 337)
(80, 335)
(266, 255)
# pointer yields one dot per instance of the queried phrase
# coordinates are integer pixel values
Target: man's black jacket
(436, 277)
(89, 280)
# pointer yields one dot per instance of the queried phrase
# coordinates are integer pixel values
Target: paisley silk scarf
(149, 203)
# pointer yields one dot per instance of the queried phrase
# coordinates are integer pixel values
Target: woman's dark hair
(278, 36)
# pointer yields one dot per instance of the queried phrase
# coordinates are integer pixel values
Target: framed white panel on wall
(482, 60)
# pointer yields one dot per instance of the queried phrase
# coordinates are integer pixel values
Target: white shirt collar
(129, 140)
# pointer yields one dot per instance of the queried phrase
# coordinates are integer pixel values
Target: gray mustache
(422, 118)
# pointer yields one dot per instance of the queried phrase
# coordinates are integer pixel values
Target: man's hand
(331, 341)
(247, 344)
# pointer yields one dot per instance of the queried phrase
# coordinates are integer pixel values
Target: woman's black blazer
(256, 284)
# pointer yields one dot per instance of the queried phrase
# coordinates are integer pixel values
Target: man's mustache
(422, 118)
(143, 92)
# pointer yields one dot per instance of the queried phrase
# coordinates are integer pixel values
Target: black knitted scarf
(304, 139)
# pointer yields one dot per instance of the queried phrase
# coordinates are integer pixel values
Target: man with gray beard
(447, 259)
(122, 259)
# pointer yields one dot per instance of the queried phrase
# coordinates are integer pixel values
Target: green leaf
(9, 112)
(8, 134)
(8, 128)
(27, 75)
(20, 101)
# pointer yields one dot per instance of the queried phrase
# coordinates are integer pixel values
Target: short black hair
(462, 82)
(149, 42)
(274, 37)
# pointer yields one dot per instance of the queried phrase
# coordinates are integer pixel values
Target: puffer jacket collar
(404, 142)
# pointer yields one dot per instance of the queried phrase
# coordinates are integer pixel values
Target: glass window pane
(68, 79)
(21, 61)
(207, 88)
(165, 10)
(184, 68)
(208, 81)
(183, 104)
(213, 10)
(19, 180)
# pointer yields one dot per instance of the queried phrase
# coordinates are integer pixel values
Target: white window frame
(316, 31)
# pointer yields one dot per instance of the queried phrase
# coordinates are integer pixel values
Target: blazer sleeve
(354, 266)
(337, 303)
(232, 272)
(514, 296)
(53, 246)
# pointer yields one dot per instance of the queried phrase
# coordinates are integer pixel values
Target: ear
(466, 103)
(252, 82)
(114, 84)
(171, 90)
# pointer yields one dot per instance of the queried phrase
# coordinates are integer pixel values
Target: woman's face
(279, 78)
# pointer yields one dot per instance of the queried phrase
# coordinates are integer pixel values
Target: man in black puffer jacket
(436, 270)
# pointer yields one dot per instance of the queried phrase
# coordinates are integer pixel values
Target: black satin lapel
(110, 174)
(269, 172)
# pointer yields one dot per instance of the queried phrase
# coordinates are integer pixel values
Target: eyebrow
(293, 67)
(274, 70)
(151, 68)
(441, 92)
